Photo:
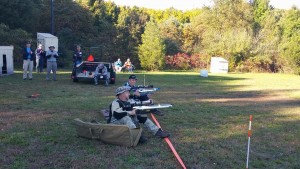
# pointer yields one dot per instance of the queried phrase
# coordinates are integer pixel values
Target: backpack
(108, 133)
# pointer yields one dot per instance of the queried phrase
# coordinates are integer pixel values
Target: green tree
(230, 14)
(189, 38)
(152, 50)
(21, 14)
(290, 44)
(265, 49)
(171, 31)
(105, 14)
(225, 30)
(16, 38)
(260, 11)
(130, 26)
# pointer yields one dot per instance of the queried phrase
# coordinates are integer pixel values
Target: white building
(218, 65)
(6, 60)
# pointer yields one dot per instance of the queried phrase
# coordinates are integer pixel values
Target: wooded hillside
(253, 37)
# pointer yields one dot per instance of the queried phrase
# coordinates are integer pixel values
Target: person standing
(39, 53)
(77, 59)
(28, 57)
(51, 56)
(77, 56)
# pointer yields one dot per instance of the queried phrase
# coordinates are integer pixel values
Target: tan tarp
(108, 133)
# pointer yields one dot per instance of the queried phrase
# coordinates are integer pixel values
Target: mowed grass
(208, 122)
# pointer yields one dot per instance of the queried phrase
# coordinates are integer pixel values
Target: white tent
(6, 60)
(47, 39)
(218, 65)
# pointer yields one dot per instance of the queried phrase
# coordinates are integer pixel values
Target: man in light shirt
(51, 56)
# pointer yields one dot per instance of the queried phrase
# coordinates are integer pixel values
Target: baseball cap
(122, 89)
(132, 77)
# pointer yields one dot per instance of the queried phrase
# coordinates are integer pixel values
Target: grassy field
(208, 122)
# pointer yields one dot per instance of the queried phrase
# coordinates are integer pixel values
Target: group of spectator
(127, 66)
(51, 55)
(29, 55)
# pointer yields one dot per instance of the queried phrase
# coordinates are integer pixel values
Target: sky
(191, 4)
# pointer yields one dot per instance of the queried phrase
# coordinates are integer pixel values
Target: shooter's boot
(143, 139)
(162, 134)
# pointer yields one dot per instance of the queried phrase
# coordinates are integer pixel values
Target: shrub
(256, 64)
(184, 61)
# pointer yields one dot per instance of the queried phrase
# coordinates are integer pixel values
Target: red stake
(170, 144)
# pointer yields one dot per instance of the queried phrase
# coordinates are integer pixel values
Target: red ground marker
(169, 143)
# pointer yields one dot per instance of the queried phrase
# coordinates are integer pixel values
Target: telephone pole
(52, 18)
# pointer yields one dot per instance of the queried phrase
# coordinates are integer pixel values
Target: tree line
(253, 37)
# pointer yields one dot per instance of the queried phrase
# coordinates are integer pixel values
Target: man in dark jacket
(28, 57)
(77, 56)
(77, 59)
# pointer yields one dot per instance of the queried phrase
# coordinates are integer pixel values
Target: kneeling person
(122, 113)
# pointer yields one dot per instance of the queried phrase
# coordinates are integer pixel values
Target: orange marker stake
(169, 143)
(249, 135)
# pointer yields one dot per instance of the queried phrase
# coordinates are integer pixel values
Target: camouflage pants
(132, 122)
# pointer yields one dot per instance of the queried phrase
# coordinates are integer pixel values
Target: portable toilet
(47, 39)
(218, 65)
(6, 60)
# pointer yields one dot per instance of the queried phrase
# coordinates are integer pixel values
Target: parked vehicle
(86, 69)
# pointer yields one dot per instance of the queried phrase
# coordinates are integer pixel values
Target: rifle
(134, 102)
(138, 103)
(145, 89)
(143, 107)
(149, 107)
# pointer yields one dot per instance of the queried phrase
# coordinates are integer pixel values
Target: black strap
(110, 111)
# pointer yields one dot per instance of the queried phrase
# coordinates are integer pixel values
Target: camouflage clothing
(120, 116)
